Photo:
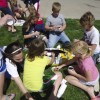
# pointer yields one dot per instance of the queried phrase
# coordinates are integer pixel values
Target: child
(2, 78)
(56, 24)
(5, 21)
(13, 55)
(29, 31)
(91, 34)
(5, 8)
(39, 24)
(18, 11)
(85, 75)
(35, 64)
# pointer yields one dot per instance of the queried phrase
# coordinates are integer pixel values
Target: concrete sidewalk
(72, 8)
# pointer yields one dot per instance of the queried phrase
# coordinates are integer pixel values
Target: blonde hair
(81, 47)
(87, 19)
(56, 6)
(32, 10)
(13, 2)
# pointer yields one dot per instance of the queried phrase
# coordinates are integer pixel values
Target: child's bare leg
(74, 81)
(1, 85)
(13, 29)
(57, 82)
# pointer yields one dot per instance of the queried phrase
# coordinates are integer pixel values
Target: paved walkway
(70, 8)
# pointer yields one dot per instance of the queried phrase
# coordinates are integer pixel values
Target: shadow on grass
(40, 95)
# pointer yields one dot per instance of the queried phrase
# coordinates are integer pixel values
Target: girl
(29, 31)
(2, 77)
(85, 75)
(18, 11)
(35, 64)
(13, 54)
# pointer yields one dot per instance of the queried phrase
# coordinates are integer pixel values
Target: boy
(56, 24)
(91, 34)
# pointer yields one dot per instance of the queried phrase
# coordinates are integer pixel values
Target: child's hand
(60, 29)
(52, 54)
(36, 33)
(58, 68)
(54, 69)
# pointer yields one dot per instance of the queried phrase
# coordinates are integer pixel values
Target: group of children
(84, 75)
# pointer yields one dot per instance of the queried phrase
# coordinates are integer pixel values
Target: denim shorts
(6, 10)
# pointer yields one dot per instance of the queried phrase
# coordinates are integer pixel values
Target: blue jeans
(55, 37)
(95, 57)
(6, 10)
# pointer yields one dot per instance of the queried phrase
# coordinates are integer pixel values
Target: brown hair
(28, 21)
(36, 48)
(56, 6)
(87, 19)
(13, 49)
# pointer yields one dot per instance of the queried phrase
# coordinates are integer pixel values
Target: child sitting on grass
(34, 66)
(29, 31)
(91, 34)
(85, 75)
(17, 9)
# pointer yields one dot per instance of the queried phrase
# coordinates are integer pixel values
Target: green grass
(73, 30)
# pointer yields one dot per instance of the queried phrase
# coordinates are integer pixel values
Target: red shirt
(3, 3)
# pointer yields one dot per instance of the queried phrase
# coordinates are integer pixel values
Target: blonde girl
(85, 75)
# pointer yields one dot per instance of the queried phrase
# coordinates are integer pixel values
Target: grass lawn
(73, 31)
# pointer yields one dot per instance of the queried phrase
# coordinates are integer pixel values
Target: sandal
(10, 96)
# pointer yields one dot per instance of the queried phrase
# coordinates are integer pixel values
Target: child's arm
(66, 64)
(19, 83)
(93, 46)
(32, 34)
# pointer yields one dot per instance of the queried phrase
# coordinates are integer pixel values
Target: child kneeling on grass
(35, 64)
(85, 75)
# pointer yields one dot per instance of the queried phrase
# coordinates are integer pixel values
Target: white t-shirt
(11, 68)
(92, 37)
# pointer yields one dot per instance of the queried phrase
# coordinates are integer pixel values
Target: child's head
(32, 19)
(56, 6)
(81, 49)
(87, 20)
(13, 2)
(32, 10)
(36, 48)
(14, 52)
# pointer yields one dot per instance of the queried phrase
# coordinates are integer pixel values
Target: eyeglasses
(17, 51)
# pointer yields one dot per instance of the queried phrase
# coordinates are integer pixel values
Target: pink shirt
(3, 3)
(88, 64)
